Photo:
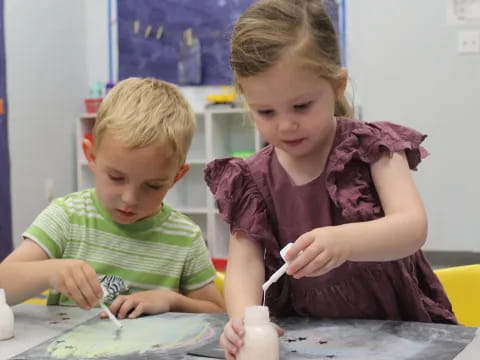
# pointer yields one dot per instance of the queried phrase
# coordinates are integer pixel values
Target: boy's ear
(340, 83)
(87, 147)
(181, 172)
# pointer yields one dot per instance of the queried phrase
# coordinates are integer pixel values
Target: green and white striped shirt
(163, 251)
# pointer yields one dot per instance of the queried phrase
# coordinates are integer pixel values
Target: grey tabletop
(53, 332)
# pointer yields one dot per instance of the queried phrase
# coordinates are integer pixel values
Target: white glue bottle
(261, 338)
(6, 318)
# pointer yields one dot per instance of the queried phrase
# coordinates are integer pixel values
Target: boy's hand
(77, 280)
(232, 338)
(321, 251)
(144, 302)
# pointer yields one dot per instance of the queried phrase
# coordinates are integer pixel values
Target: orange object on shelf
(219, 264)
(89, 136)
(91, 105)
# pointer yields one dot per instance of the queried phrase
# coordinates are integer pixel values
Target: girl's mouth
(293, 142)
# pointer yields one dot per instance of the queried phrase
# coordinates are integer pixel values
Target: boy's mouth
(125, 213)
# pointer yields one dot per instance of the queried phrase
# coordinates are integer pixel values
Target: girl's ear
(340, 83)
(87, 147)
(181, 172)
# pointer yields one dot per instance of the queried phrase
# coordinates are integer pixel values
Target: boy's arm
(206, 299)
(28, 271)
(25, 272)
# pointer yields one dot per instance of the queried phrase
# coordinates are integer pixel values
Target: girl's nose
(288, 123)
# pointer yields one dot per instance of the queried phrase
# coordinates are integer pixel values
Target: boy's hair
(140, 112)
(270, 28)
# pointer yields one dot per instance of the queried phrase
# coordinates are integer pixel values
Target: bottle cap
(256, 314)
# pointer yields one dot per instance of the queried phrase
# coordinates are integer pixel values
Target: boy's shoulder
(180, 220)
(76, 197)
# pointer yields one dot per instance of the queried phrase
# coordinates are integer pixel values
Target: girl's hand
(144, 302)
(317, 252)
(232, 338)
(77, 280)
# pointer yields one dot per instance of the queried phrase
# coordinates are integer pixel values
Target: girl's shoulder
(230, 168)
(235, 187)
(357, 145)
(368, 141)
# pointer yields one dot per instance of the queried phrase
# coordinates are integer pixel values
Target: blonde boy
(122, 227)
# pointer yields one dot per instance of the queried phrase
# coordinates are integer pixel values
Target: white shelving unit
(220, 131)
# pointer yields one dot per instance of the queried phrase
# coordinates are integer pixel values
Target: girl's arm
(403, 229)
(401, 232)
(245, 275)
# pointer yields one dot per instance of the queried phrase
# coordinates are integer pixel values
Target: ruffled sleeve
(358, 145)
(238, 199)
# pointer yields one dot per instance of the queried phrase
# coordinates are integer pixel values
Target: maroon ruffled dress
(257, 197)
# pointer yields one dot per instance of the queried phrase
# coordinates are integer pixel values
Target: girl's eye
(302, 106)
(115, 178)
(268, 112)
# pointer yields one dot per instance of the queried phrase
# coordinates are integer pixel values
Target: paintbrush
(118, 325)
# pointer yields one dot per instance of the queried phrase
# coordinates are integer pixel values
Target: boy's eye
(154, 187)
(267, 112)
(302, 106)
(115, 178)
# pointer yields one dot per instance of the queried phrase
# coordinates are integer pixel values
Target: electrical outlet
(49, 190)
(468, 42)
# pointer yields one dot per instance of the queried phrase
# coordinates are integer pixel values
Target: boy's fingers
(116, 304)
(74, 293)
(84, 285)
(127, 305)
(136, 312)
(92, 278)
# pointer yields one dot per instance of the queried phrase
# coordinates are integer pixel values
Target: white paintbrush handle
(111, 316)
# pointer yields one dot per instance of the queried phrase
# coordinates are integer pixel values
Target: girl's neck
(304, 169)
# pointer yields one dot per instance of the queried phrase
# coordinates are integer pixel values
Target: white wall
(403, 63)
(45, 47)
(55, 50)
(404, 66)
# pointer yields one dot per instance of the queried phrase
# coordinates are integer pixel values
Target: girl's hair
(142, 111)
(270, 28)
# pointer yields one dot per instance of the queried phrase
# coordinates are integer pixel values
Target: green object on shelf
(242, 153)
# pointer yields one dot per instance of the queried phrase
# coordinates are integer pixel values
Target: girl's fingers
(229, 348)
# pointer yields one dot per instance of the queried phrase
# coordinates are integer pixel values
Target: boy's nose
(129, 197)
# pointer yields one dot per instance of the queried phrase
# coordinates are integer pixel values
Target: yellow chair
(40, 299)
(462, 285)
(219, 280)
